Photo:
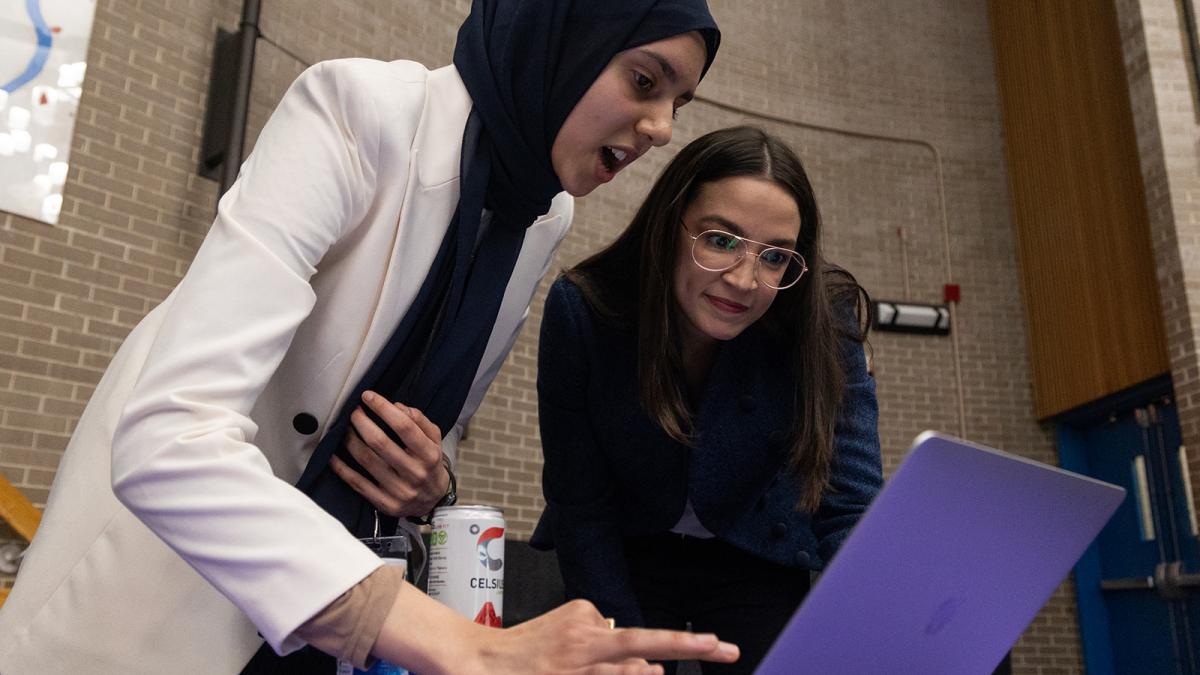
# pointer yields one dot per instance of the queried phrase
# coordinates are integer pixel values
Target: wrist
(449, 498)
(428, 637)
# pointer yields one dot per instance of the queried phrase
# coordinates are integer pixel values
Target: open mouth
(613, 158)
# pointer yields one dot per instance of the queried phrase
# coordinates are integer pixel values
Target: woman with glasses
(707, 418)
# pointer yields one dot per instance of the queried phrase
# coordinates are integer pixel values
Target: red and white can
(466, 562)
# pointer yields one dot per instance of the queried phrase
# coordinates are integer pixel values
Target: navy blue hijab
(526, 63)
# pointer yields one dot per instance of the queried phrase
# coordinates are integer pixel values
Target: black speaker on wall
(218, 115)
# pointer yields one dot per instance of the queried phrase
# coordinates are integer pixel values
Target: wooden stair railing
(19, 513)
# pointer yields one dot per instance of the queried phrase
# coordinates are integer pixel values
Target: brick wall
(898, 75)
(1163, 98)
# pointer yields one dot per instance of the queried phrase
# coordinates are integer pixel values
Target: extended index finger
(658, 644)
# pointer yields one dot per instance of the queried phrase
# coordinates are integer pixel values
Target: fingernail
(728, 648)
(368, 396)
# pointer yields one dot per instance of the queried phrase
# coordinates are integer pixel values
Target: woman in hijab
(358, 291)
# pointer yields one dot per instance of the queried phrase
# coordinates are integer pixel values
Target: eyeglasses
(718, 251)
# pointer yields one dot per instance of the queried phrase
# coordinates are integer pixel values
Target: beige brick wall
(134, 212)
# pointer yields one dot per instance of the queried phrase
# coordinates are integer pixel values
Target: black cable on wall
(1189, 26)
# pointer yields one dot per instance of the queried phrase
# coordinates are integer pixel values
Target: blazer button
(305, 424)
(746, 403)
(802, 559)
(778, 530)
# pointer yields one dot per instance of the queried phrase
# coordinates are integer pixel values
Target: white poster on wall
(43, 47)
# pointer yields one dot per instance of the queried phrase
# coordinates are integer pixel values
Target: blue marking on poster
(41, 55)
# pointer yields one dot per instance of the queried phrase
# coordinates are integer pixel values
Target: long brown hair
(803, 317)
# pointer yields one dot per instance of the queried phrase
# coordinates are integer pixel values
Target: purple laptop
(949, 565)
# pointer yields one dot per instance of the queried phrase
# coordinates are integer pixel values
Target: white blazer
(173, 533)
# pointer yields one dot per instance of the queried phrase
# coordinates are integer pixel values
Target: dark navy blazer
(611, 472)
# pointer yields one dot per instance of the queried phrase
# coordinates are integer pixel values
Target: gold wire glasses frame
(718, 251)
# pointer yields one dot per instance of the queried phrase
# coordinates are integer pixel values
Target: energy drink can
(466, 562)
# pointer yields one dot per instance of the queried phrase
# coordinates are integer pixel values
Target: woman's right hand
(575, 638)
(428, 637)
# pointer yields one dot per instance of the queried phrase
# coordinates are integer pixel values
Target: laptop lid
(953, 559)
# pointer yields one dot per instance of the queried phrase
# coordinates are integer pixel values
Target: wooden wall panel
(1087, 268)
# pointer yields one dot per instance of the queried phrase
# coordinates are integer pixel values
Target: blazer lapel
(431, 195)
